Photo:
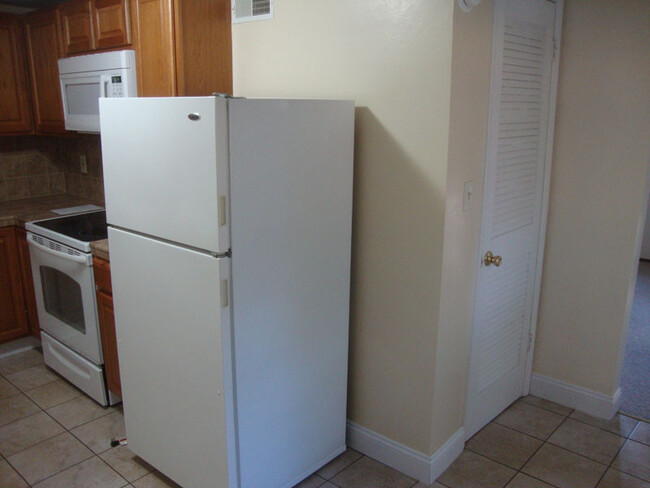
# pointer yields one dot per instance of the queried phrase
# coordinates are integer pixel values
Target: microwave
(86, 79)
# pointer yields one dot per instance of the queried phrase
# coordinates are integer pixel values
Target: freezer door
(172, 313)
(166, 168)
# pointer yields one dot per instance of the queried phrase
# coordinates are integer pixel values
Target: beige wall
(597, 195)
(470, 87)
(394, 59)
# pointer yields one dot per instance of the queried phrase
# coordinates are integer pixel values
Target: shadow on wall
(395, 286)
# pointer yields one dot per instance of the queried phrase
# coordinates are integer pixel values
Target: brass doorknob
(492, 259)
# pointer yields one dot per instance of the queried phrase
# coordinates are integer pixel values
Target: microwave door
(81, 101)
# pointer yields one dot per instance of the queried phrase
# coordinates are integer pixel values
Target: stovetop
(76, 231)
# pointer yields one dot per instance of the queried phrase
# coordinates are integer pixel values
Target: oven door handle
(68, 257)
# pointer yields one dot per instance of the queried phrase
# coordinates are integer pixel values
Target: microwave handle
(104, 81)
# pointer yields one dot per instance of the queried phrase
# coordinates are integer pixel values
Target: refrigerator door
(166, 168)
(172, 313)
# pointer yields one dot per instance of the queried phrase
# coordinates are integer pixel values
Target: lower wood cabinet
(107, 324)
(28, 282)
(13, 317)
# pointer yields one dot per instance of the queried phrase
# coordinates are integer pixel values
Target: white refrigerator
(229, 234)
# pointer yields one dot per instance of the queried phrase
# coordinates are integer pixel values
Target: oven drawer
(79, 371)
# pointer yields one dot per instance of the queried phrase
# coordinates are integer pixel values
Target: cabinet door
(109, 342)
(28, 282)
(43, 52)
(76, 27)
(15, 117)
(203, 43)
(153, 41)
(111, 23)
(13, 321)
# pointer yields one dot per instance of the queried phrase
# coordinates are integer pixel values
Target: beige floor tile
(78, 411)
(641, 433)
(328, 485)
(524, 481)
(471, 470)
(9, 478)
(7, 389)
(339, 463)
(587, 440)
(18, 362)
(616, 479)
(28, 379)
(547, 405)
(97, 434)
(16, 407)
(92, 473)
(53, 394)
(155, 480)
(314, 481)
(634, 459)
(27, 432)
(530, 420)
(563, 468)
(369, 473)
(122, 460)
(504, 445)
(53, 455)
(434, 485)
(620, 424)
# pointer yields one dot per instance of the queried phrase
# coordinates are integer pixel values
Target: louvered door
(520, 103)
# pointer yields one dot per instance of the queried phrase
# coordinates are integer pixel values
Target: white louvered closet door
(520, 102)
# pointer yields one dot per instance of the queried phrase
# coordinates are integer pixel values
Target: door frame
(557, 35)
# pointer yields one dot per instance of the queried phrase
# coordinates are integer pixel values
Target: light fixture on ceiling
(467, 5)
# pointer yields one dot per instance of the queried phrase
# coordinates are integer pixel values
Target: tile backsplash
(32, 166)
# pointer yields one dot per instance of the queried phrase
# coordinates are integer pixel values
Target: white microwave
(86, 79)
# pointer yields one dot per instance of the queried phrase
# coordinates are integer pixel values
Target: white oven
(65, 295)
(64, 283)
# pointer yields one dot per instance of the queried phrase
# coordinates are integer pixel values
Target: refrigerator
(229, 237)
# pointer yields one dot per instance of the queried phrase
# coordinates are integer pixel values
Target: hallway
(635, 378)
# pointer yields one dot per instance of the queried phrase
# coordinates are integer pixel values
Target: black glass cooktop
(85, 227)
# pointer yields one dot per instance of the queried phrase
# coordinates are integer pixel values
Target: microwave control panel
(117, 88)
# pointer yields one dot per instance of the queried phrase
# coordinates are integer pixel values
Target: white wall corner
(572, 396)
(402, 458)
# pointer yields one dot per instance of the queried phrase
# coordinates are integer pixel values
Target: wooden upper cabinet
(182, 47)
(76, 27)
(203, 44)
(111, 26)
(90, 25)
(15, 113)
(153, 41)
(43, 42)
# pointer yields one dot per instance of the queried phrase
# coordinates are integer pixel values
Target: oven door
(65, 295)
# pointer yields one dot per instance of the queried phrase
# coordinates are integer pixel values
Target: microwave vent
(250, 10)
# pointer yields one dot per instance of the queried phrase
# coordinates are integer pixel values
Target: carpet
(635, 379)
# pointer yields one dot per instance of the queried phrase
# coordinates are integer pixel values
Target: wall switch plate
(468, 194)
(83, 165)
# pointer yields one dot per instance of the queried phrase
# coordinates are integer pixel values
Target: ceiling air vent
(249, 10)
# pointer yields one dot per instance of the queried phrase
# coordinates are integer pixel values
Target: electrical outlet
(83, 165)
(468, 194)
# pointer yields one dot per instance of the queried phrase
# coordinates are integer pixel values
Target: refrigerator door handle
(222, 211)
(224, 293)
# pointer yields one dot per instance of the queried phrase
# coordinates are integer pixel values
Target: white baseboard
(588, 401)
(402, 458)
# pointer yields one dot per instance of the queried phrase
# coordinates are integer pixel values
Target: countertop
(100, 249)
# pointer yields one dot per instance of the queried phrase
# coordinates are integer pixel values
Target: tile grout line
(544, 442)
